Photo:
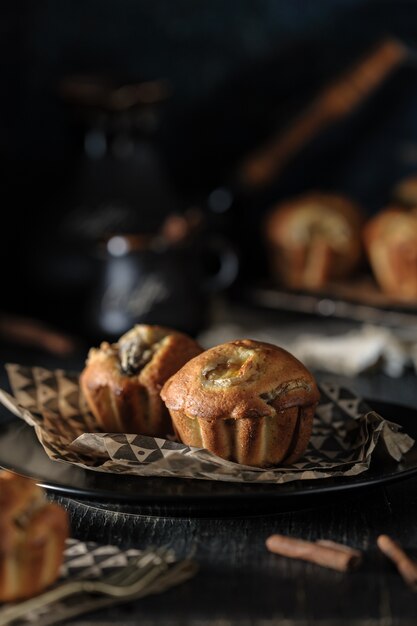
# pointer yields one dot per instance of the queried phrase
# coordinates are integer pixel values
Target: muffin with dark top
(122, 381)
(245, 401)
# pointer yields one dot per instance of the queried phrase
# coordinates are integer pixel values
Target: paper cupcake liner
(345, 434)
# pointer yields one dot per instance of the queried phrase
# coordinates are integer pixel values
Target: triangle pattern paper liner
(345, 434)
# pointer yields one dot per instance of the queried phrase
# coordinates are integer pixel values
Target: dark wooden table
(239, 582)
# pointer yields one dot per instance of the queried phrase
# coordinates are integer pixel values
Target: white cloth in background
(347, 354)
(356, 351)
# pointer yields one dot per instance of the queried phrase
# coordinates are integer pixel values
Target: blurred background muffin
(405, 192)
(391, 244)
(313, 240)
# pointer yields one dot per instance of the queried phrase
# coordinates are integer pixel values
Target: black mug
(146, 281)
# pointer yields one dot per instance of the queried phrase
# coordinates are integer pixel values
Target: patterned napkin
(345, 434)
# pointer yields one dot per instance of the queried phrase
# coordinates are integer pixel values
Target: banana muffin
(122, 381)
(245, 401)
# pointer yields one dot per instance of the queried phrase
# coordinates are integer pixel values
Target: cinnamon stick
(325, 553)
(34, 334)
(334, 102)
(405, 566)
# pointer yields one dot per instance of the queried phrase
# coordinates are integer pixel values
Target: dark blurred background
(140, 187)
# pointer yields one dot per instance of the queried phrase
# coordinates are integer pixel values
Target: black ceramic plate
(21, 452)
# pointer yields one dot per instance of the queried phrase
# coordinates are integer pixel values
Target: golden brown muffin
(405, 192)
(122, 381)
(313, 239)
(32, 538)
(391, 243)
(245, 401)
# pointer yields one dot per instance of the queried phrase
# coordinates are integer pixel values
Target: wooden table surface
(239, 582)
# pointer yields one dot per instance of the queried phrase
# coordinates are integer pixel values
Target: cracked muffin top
(242, 378)
(144, 353)
(135, 349)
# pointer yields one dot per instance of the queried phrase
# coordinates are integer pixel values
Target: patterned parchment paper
(345, 434)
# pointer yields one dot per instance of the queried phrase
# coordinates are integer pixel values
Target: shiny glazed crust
(32, 538)
(245, 401)
(131, 403)
(391, 244)
(313, 239)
